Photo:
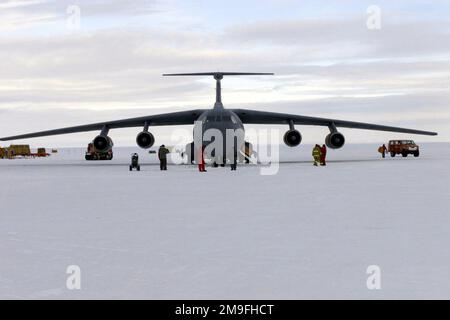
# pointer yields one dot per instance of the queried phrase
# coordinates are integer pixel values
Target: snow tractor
(135, 162)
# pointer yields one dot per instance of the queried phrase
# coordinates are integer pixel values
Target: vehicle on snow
(403, 147)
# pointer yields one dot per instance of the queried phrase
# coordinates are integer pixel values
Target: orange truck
(403, 147)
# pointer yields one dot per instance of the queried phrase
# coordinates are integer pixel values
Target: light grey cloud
(337, 39)
(28, 14)
(89, 7)
(331, 67)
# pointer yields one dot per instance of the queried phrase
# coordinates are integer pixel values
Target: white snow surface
(306, 232)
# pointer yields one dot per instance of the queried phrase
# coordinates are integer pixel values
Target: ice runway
(305, 232)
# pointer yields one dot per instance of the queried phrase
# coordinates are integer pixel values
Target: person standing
(201, 159)
(316, 155)
(162, 155)
(323, 155)
(383, 150)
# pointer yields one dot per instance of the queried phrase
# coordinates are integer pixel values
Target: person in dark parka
(162, 155)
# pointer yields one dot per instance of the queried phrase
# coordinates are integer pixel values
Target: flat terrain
(305, 232)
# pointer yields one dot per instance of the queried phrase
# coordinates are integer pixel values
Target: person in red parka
(201, 159)
(323, 155)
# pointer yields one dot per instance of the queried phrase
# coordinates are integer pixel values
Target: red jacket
(201, 155)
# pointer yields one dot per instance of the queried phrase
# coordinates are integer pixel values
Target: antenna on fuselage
(218, 76)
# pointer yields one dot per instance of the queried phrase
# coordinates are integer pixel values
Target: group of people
(319, 154)
(201, 160)
(163, 152)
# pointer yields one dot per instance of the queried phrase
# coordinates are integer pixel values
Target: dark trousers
(234, 163)
(163, 164)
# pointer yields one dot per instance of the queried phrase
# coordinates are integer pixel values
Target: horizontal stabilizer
(220, 74)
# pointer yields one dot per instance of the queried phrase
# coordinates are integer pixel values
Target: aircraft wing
(167, 119)
(262, 117)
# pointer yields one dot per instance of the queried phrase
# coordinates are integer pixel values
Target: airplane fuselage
(220, 123)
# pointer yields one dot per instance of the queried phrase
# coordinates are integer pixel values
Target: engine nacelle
(292, 138)
(103, 143)
(335, 140)
(145, 140)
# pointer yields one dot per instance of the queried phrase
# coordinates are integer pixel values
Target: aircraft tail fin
(218, 76)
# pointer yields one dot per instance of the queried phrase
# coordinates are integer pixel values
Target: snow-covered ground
(305, 232)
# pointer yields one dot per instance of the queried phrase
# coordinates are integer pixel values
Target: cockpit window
(211, 118)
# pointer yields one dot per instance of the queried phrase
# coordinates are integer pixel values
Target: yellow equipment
(19, 150)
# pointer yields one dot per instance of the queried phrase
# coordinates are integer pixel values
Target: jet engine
(335, 140)
(145, 140)
(103, 143)
(292, 138)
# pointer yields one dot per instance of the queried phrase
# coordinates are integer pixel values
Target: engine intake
(145, 140)
(335, 140)
(103, 143)
(292, 138)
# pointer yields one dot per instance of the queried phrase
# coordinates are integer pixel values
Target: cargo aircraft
(221, 119)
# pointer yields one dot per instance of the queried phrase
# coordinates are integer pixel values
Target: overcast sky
(56, 72)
